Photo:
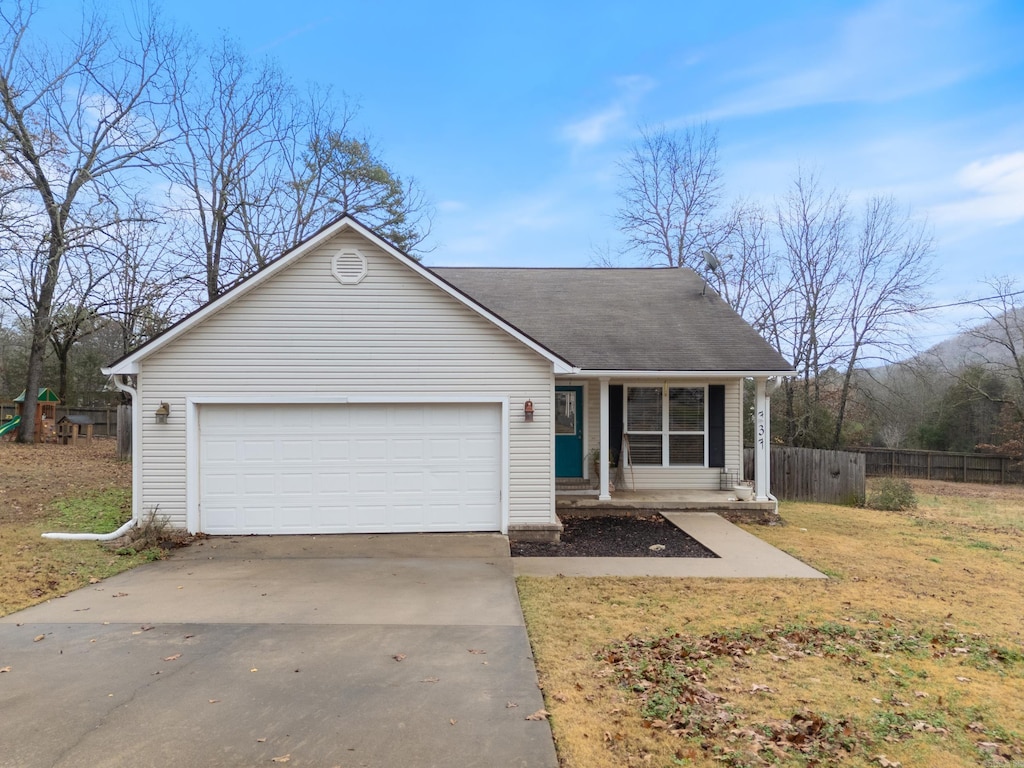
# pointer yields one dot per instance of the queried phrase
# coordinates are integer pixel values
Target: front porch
(674, 441)
(584, 503)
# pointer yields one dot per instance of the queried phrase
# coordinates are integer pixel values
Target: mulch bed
(609, 536)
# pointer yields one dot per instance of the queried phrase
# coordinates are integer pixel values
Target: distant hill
(971, 347)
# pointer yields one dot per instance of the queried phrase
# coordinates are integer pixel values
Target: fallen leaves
(399, 657)
(671, 678)
(540, 714)
(38, 638)
(175, 657)
(282, 758)
(4, 669)
(885, 762)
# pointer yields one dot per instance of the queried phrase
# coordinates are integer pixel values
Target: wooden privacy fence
(939, 465)
(806, 474)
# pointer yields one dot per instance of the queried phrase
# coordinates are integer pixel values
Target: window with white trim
(667, 426)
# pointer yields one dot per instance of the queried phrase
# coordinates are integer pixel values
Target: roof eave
(637, 374)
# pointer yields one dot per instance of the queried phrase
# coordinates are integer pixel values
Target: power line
(969, 302)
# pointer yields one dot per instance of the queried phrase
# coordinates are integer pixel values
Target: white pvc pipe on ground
(124, 387)
(94, 536)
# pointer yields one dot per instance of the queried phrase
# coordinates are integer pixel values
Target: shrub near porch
(910, 654)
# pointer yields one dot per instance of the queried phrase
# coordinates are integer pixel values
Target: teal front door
(568, 431)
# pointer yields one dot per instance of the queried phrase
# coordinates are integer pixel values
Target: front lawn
(911, 654)
(73, 488)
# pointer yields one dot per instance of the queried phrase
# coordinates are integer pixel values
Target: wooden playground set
(48, 429)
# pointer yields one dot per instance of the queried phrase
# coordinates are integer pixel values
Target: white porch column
(762, 441)
(605, 495)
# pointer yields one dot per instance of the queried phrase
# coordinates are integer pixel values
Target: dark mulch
(616, 537)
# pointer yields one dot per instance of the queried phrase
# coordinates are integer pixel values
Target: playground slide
(10, 426)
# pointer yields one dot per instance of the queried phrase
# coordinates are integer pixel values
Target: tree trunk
(41, 330)
(28, 427)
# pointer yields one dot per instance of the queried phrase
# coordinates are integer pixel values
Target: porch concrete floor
(740, 556)
(660, 500)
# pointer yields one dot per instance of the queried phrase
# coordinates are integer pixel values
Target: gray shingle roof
(621, 319)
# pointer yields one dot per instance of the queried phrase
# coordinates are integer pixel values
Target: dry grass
(32, 479)
(947, 576)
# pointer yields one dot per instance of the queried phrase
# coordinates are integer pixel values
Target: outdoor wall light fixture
(162, 413)
(528, 410)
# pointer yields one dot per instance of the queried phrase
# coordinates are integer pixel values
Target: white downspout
(124, 387)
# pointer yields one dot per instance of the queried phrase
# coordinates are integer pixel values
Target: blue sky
(512, 115)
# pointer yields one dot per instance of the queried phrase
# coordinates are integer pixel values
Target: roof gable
(129, 364)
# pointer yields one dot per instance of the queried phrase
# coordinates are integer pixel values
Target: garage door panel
(412, 482)
(256, 518)
(221, 450)
(300, 451)
(262, 484)
(257, 450)
(367, 450)
(335, 420)
(218, 484)
(296, 484)
(368, 418)
(480, 481)
(349, 468)
(296, 517)
(409, 449)
(333, 483)
(370, 483)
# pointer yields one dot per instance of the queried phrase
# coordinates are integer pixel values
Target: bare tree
(812, 225)
(670, 189)
(75, 121)
(749, 276)
(141, 292)
(998, 350)
(232, 116)
(886, 277)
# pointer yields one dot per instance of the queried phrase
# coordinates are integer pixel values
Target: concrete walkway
(328, 651)
(740, 555)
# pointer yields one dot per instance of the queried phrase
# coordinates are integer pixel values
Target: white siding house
(347, 388)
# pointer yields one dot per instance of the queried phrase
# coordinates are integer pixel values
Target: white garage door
(355, 468)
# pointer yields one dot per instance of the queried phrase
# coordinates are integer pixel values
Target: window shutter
(716, 425)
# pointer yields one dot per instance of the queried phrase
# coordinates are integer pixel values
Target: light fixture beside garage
(528, 410)
(162, 413)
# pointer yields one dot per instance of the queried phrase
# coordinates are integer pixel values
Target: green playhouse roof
(46, 395)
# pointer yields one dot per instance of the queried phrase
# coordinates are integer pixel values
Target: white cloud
(995, 189)
(451, 206)
(594, 129)
(598, 127)
(889, 50)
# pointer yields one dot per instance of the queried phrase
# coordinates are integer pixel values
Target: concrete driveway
(311, 651)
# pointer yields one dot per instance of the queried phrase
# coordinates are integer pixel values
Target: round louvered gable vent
(349, 266)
